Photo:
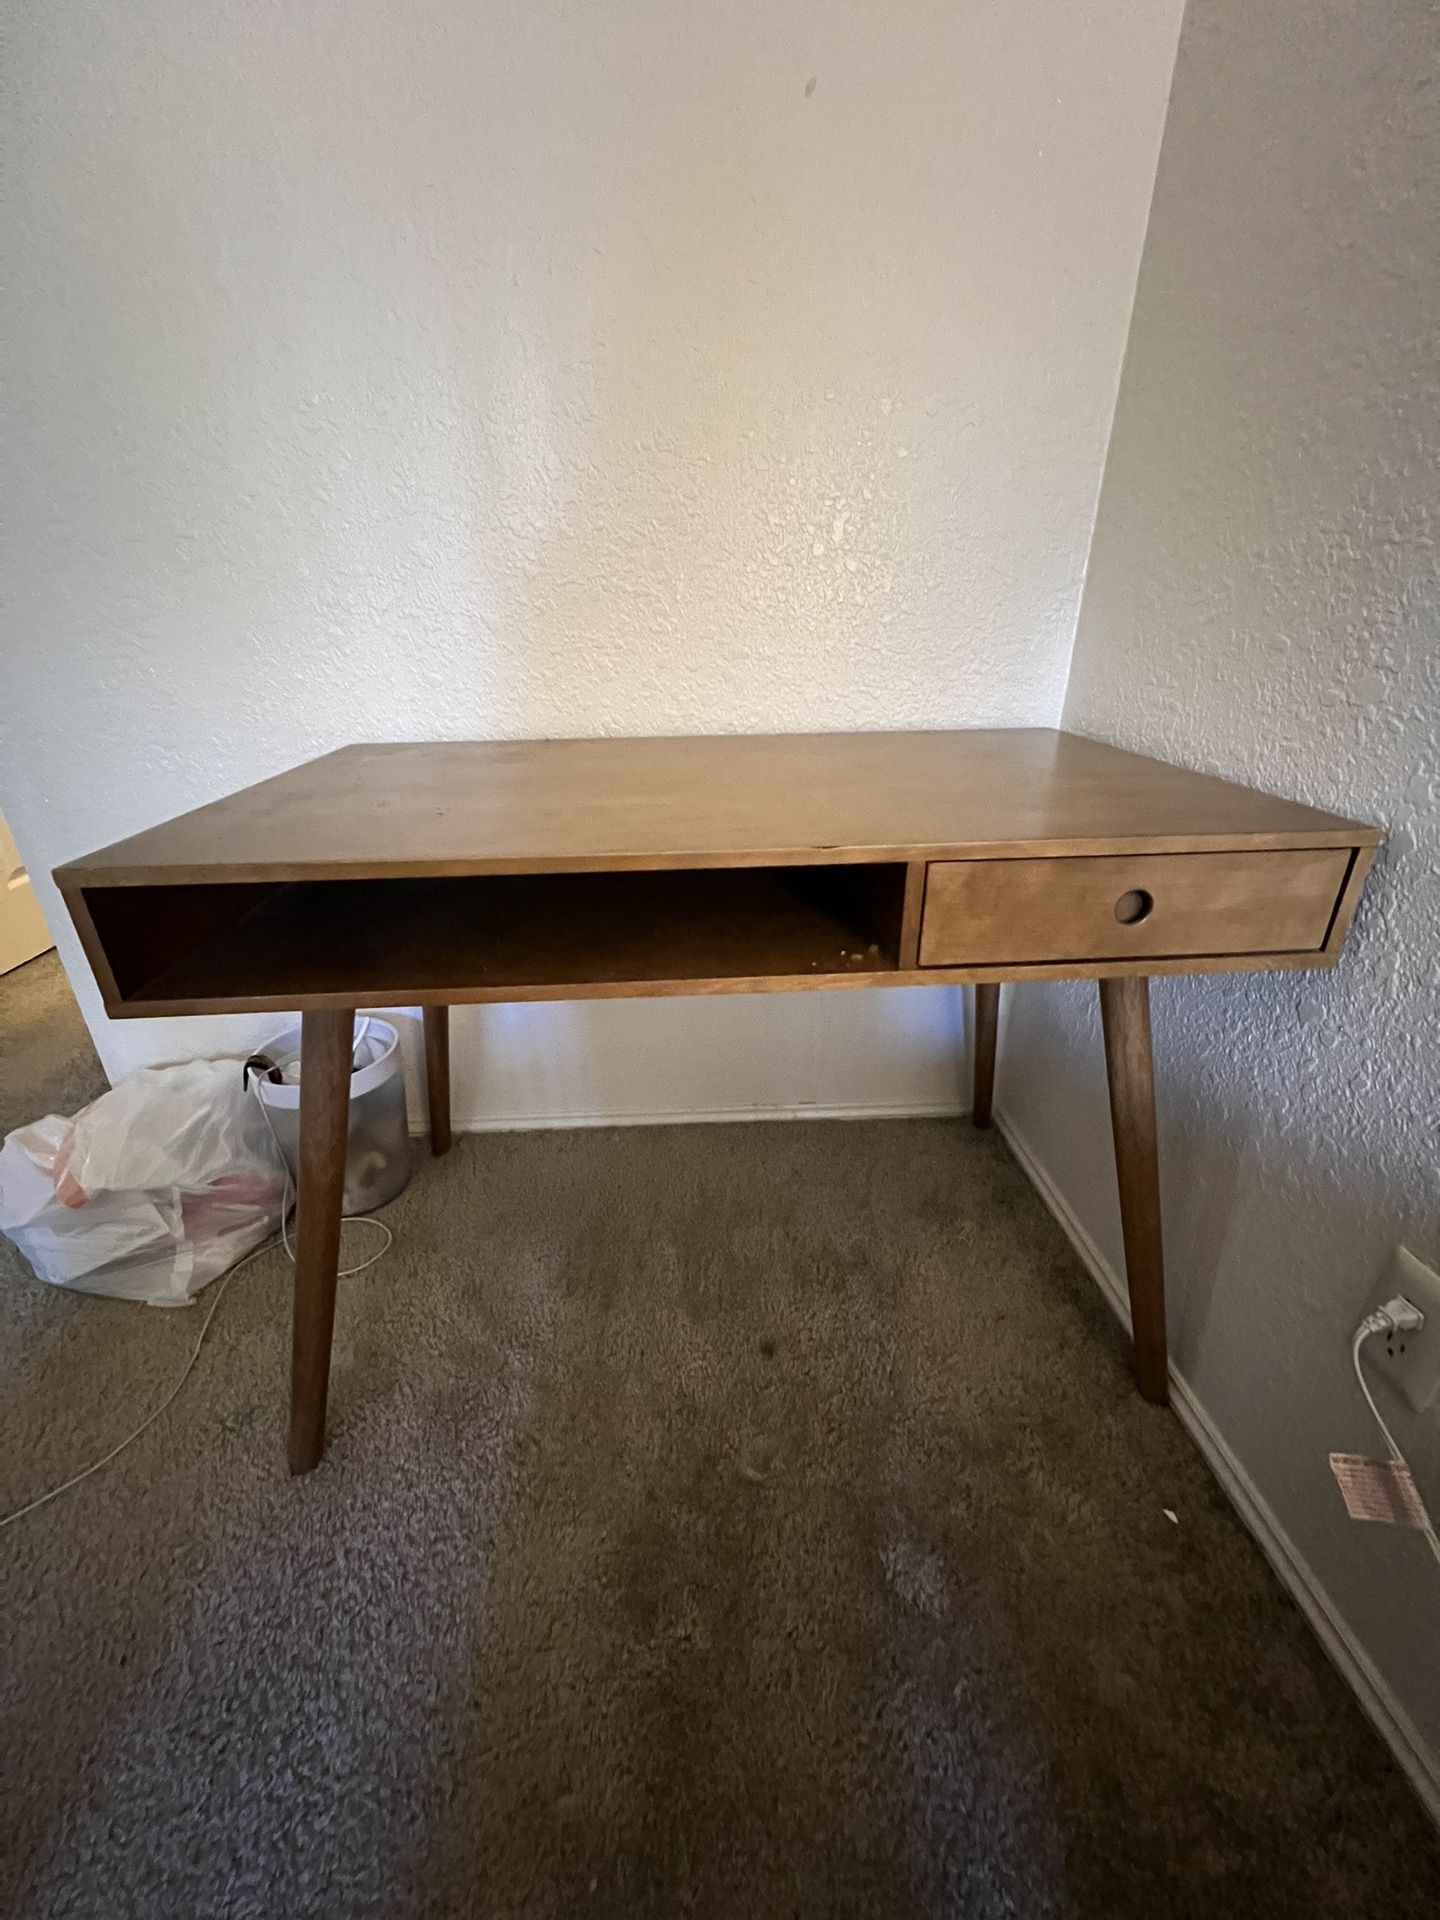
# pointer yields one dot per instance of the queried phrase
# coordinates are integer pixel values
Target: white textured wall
(419, 368)
(1263, 601)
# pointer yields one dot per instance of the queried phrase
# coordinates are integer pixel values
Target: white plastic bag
(151, 1191)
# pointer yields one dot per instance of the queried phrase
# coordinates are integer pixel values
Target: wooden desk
(431, 875)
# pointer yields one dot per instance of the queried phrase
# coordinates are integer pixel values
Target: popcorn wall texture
(431, 370)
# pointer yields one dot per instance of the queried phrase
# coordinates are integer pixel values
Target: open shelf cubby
(526, 936)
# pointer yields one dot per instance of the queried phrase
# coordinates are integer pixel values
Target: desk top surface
(470, 807)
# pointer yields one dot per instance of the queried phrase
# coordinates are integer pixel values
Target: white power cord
(1396, 1316)
(150, 1418)
(345, 1273)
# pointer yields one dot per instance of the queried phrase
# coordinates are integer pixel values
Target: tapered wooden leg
(1125, 1015)
(327, 1040)
(437, 1076)
(987, 1019)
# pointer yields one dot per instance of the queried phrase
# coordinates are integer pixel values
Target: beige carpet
(733, 1521)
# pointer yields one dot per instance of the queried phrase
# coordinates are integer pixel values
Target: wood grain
(343, 883)
(1066, 909)
(399, 992)
(437, 1076)
(432, 875)
(1349, 898)
(912, 908)
(326, 1041)
(748, 800)
(1125, 1017)
(987, 1023)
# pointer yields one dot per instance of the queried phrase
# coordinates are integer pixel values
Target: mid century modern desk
(434, 875)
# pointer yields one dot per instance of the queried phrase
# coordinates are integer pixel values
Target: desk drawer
(1128, 907)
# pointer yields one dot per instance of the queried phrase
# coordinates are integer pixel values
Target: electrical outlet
(1409, 1361)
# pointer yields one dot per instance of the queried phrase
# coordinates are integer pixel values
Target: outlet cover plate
(1409, 1361)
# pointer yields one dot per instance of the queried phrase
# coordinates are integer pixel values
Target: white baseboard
(691, 1116)
(1399, 1732)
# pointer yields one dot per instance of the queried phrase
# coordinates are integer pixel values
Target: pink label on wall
(1378, 1490)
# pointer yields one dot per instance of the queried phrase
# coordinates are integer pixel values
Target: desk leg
(327, 1040)
(1125, 1015)
(987, 1019)
(437, 1076)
